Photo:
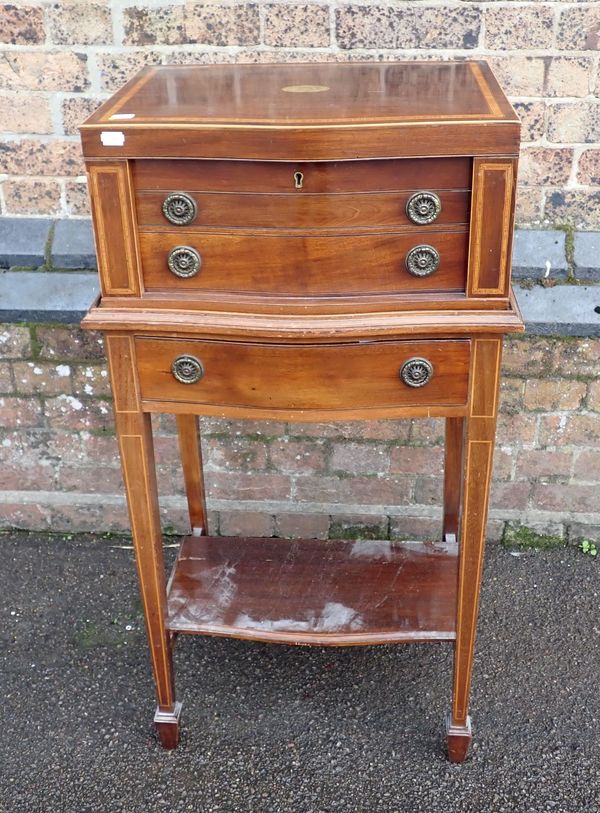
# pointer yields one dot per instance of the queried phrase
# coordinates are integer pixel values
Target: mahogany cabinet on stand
(306, 242)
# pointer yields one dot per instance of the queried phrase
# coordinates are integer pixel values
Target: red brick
(246, 523)
(235, 454)
(593, 398)
(511, 395)
(15, 342)
(494, 530)
(354, 490)
(170, 479)
(54, 157)
(91, 380)
(360, 458)
(587, 467)
(21, 25)
(516, 430)
(430, 431)
(69, 412)
(18, 477)
(570, 430)
(27, 446)
(419, 529)
(580, 357)
(513, 496)
(417, 460)
(42, 377)
(219, 426)
(94, 479)
(534, 463)
(305, 456)
(503, 464)
(112, 518)
(28, 516)
(588, 168)
(19, 412)
(428, 491)
(302, 526)
(562, 497)
(553, 394)
(166, 450)
(6, 383)
(354, 430)
(70, 344)
(226, 486)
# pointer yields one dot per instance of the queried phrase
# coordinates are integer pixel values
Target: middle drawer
(304, 265)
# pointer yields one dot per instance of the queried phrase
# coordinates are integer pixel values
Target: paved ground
(269, 729)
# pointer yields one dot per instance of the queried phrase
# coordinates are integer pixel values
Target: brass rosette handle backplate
(423, 208)
(179, 208)
(184, 261)
(187, 369)
(422, 261)
(416, 372)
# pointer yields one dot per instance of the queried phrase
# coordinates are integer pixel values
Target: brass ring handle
(423, 208)
(416, 372)
(422, 261)
(184, 261)
(187, 369)
(180, 208)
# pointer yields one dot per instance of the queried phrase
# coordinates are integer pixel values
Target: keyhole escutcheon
(298, 180)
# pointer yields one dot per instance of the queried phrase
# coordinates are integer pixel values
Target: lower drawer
(304, 377)
(305, 265)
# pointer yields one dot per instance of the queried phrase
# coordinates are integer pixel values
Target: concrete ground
(272, 728)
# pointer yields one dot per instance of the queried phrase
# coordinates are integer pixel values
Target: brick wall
(59, 59)
(59, 467)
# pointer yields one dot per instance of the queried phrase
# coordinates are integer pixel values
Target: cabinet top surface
(307, 95)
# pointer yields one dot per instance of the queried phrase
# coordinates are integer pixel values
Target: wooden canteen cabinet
(306, 242)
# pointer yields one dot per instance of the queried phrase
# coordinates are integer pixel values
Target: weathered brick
(564, 497)
(26, 112)
(579, 357)
(528, 206)
(527, 357)
(516, 430)
(235, 454)
(579, 29)
(153, 26)
(77, 198)
(27, 196)
(587, 467)
(569, 430)
(91, 479)
(520, 75)
(545, 166)
(91, 380)
(522, 27)
(358, 526)
(302, 526)
(360, 458)
(261, 429)
(26, 478)
(407, 27)
(304, 456)
(532, 115)
(37, 70)
(534, 463)
(593, 399)
(588, 168)
(70, 25)
(569, 76)
(33, 377)
(118, 68)
(81, 516)
(69, 412)
(242, 486)
(354, 490)
(29, 516)
(428, 490)
(56, 157)
(580, 208)
(302, 26)
(20, 412)
(428, 431)
(574, 121)
(511, 395)
(503, 464)
(6, 384)
(21, 25)
(69, 344)
(15, 342)
(75, 110)
(246, 523)
(511, 496)
(419, 529)
(553, 394)
(416, 460)
(222, 25)
(398, 431)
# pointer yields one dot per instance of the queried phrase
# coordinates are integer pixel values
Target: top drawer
(280, 195)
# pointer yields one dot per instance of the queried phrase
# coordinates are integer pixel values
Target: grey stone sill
(69, 244)
(55, 296)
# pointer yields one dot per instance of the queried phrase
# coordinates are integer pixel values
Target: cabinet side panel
(492, 218)
(114, 228)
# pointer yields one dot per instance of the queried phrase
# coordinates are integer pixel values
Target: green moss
(521, 536)
(342, 530)
(48, 248)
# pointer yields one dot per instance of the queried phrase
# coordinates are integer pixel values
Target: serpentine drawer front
(292, 376)
(305, 243)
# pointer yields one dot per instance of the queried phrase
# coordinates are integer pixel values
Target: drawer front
(304, 211)
(305, 265)
(327, 177)
(304, 377)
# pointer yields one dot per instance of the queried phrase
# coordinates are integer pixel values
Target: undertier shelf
(309, 591)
